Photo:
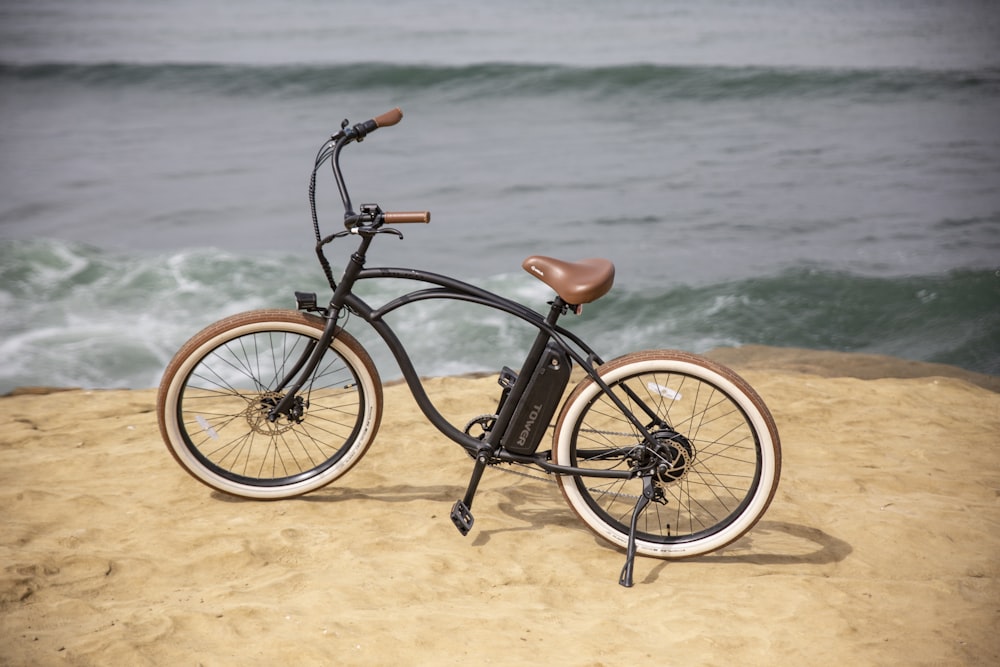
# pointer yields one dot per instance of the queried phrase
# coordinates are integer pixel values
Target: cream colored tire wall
(727, 382)
(262, 321)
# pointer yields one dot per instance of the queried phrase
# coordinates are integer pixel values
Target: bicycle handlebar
(371, 216)
(400, 217)
(369, 222)
(390, 117)
(361, 130)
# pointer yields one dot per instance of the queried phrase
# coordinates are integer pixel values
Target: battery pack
(539, 402)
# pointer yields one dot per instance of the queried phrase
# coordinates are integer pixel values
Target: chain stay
(508, 466)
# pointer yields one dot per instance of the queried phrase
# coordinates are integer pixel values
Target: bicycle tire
(216, 392)
(723, 464)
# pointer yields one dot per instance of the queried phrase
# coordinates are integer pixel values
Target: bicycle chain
(511, 471)
(497, 465)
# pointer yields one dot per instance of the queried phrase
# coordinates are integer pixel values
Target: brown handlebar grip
(399, 217)
(389, 118)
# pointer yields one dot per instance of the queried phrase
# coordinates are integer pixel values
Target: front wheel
(714, 460)
(216, 394)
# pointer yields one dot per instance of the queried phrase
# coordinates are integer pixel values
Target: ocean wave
(658, 82)
(80, 316)
(947, 318)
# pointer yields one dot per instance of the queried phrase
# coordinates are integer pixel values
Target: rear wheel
(715, 461)
(216, 394)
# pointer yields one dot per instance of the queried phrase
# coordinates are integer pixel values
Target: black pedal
(461, 516)
(305, 300)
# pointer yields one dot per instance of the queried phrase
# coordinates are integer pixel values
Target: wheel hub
(258, 410)
(674, 456)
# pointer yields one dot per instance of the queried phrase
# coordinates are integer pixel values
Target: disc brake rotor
(258, 410)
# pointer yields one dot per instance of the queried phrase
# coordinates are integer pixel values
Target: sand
(882, 545)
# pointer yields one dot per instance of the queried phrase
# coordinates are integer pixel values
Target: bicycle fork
(304, 368)
(310, 358)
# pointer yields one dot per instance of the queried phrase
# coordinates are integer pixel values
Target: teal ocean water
(809, 174)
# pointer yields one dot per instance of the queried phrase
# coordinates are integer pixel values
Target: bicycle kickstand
(461, 511)
(649, 492)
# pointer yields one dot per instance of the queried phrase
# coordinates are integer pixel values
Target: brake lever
(372, 231)
(390, 230)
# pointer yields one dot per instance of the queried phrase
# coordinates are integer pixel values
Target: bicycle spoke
(229, 396)
(703, 437)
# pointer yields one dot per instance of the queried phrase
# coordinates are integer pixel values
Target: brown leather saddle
(576, 283)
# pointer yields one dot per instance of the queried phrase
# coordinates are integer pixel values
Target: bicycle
(662, 453)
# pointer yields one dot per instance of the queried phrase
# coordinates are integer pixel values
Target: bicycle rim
(718, 452)
(219, 394)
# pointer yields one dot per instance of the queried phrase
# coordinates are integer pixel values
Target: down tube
(410, 375)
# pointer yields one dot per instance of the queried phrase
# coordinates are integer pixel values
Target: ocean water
(782, 172)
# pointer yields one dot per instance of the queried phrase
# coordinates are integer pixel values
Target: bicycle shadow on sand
(541, 507)
(391, 493)
(776, 543)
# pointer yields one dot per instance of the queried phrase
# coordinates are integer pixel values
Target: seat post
(557, 307)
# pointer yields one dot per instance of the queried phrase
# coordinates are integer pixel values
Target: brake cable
(325, 151)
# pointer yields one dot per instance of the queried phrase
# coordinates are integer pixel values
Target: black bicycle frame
(450, 288)
(445, 288)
